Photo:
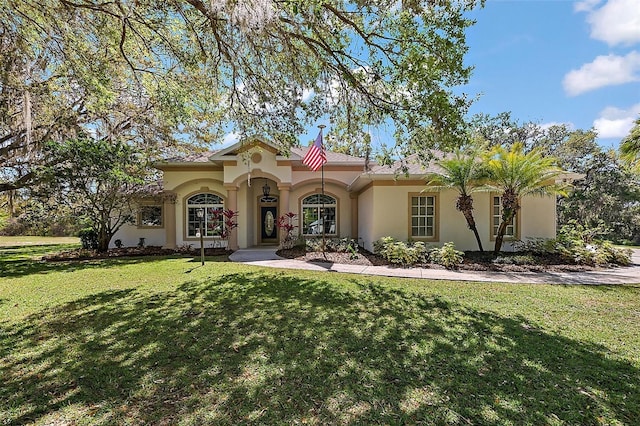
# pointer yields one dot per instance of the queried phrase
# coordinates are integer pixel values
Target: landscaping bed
(473, 261)
(86, 254)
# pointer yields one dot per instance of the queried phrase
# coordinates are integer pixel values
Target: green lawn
(37, 241)
(165, 341)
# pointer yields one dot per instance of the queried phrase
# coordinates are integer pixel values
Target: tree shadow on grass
(23, 267)
(25, 252)
(274, 349)
(35, 249)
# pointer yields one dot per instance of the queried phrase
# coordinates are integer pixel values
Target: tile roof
(332, 157)
(200, 157)
(412, 164)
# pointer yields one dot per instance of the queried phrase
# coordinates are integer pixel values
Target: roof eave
(365, 178)
(161, 165)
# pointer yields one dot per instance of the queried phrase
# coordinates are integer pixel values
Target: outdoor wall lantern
(200, 214)
(266, 189)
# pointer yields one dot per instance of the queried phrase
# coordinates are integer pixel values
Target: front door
(268, 224)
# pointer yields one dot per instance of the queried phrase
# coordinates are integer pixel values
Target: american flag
(315, 157)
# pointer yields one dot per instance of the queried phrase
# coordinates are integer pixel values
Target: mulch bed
(84, 254)
(473, 261)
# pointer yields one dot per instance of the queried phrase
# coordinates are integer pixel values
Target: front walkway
(266, 256)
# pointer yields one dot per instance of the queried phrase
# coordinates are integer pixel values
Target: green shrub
(607, 253)
(399, 252)
(575, 231)
(337, 245)
(578, 244)
(380, 246)
(88, 239)
(12, 227)
(316, 244)
(447, 256)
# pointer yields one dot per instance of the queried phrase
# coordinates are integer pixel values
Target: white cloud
(586, 5)
(230, 138)
(307, 94)
(604, 71)
(616, 22)
(550, 124)
(615, 122)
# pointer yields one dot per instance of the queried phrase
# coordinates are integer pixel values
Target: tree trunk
(103, 240)
(12, 209)
(465, 205)
(500, 237)
(475, 232)
(510, 206)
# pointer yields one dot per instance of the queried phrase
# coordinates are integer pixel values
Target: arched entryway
(262, 198)
(268, 213)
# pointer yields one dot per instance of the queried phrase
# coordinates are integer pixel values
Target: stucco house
(365, 202)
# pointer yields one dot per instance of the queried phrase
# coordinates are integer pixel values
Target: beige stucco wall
(173, 178)
(340, 177)
(366, 218)
(538, 217)
(384, 211)
(268, 164)
(383, 208)
(130, 236)
(277, 171)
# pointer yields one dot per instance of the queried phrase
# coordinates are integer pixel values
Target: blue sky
(551, 62)
(559, 61)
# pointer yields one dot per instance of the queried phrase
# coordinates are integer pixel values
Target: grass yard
(165, 341)
(37, 241)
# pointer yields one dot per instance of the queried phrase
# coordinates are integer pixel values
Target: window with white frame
(496, 218)
(318, 213)
(212, 221)
(423, 216)
(150, 216)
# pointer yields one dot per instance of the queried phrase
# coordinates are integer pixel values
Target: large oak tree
(159, 73)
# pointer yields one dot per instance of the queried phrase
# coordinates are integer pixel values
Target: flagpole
(321, 127)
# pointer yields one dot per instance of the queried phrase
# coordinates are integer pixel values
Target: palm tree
(464, 173)
(630, 146)
(516, 174)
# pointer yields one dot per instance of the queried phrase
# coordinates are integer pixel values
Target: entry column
(232, 204)
(285, 189)
(354, 215)
(169, 206)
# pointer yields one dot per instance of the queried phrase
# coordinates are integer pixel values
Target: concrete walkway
(266, 256)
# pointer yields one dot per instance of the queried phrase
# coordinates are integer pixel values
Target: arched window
(212, 222)
(319, 211)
